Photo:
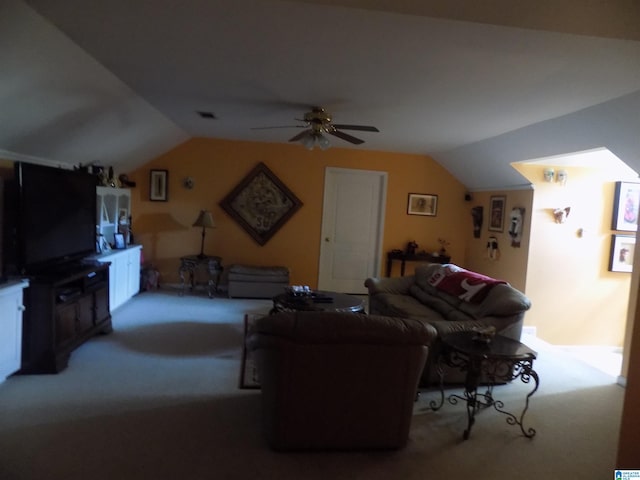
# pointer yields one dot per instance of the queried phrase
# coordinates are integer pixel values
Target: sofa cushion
(259, 270)
(438, 304)
(422, 276)
(398, 305)
(502, 300)
(245, 277)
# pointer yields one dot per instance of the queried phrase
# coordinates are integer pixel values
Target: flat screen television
(56, 222)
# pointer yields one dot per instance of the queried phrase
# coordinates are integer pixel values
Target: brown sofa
(338, 380)
(497, 304)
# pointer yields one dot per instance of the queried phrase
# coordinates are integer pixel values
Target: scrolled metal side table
(191, 263)
(501, 360)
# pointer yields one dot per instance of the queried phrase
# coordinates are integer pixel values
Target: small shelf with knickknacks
(113, 213)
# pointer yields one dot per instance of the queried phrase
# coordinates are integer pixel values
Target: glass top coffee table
(500, 360)
(318, 301)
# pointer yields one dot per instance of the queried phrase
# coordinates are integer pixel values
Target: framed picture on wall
(158, 185)
(622, 249)
(626, 205)
(496, 213)
(422, 204)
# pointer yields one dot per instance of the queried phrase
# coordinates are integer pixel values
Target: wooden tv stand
(63, 310)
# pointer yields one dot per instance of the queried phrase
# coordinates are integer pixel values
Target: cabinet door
(133, 273)
(101, 298)
(85, 314)
(119, 270)
(66, 316)
(10, 332)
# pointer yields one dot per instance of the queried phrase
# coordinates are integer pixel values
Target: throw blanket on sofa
(464, 284)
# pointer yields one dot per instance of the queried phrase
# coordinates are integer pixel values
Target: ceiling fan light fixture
(323, 142)
(308, 141)
(318, 127)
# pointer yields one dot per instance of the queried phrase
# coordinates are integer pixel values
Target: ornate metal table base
(191, 263)
(488, 369)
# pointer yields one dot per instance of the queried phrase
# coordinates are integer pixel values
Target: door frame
(383, 178)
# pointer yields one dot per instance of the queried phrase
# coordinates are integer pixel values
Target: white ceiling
(118, 82)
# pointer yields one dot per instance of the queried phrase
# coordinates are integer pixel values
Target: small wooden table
(416, 257)
(191, 263)
(318, 301)
(501, 360)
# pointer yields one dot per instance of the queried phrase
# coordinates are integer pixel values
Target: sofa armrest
(508, 326)
(399, 285)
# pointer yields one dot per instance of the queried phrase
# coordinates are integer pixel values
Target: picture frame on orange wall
(159, 185)
(424, 204)
(496, 213)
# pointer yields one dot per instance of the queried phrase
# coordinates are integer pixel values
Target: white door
(133, 271)
(352, 227)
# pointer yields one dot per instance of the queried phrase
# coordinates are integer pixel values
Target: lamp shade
(204, 220)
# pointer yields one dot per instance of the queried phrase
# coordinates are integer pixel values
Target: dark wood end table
(318, 301)
(413, 257)
(501, 360)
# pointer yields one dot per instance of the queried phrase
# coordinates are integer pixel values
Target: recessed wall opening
(579, 303)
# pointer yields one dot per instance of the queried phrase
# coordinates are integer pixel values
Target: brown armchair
(338, 380)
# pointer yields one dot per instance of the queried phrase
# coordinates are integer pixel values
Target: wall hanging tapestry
(261, 203)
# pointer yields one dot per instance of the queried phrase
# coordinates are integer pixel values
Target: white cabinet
(11, 308)
(113, 208)
(124, 274)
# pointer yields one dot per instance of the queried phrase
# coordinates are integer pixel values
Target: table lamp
(204, 220)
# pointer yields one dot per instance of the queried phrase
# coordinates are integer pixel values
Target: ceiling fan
(317, 123)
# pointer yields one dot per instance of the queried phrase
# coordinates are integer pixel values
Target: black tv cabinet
(64, 308)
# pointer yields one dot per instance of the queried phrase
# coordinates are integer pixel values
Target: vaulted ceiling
(118, 82)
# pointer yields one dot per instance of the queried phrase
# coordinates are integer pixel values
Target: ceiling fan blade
(346, 136)
(279, 126)
(362, 128)
(299, 136)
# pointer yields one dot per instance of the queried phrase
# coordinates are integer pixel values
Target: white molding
(19, 157)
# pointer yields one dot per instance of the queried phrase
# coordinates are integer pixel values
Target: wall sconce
(188, 183)
(549, 174)
(562, 177)
(561, 214)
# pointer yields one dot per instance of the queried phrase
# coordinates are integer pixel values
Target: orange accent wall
(164, 228)
(511, 264)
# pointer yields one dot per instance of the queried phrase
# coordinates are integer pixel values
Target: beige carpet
(159, 399)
